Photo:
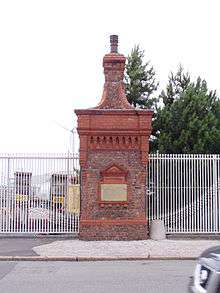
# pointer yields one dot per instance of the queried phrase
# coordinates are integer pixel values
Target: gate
(39, 193)
(184, 190)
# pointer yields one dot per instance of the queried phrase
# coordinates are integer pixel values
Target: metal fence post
(215, 192)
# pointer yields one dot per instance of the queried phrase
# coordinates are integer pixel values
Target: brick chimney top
(114, 43)
(114, 92)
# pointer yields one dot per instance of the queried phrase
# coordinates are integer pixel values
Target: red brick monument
(114, 144)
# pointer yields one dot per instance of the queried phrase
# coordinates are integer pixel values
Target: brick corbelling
(118, 131)
(112, 57)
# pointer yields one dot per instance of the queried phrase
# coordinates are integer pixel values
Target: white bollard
(157, 230)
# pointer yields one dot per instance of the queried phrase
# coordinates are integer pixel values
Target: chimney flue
(114, 43)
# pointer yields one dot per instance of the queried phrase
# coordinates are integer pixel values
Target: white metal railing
(39, 193)
(184, 191)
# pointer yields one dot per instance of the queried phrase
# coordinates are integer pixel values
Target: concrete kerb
(81, 258)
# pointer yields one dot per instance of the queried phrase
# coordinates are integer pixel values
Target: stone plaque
(113, 192)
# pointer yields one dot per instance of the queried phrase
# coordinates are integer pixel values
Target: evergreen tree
(177, 84)
(140, 82)
(189, 121)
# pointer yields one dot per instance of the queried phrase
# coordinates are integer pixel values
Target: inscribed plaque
(114, 192)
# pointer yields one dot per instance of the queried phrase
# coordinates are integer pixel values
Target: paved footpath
(164, 249)
(74, 249)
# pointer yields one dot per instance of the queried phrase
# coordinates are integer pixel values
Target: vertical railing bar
(218, 192)
(179, 195)
(150, 211)
(212, 194)
(173, 204)
(204, 197)
(157, 172)
(160, 202)
(153, 198)
(162, 189)
(41, 218)
(208, 194)
(192, 196)
(196, 191)
(168, 194)
(177, 211)
(9, 195)
(187, 195)
(195, 194)
(7, 201)
(215, 191)
(175, 193)
(65, 210)
(152, 182)
(183, 191)
(51, 197)
(3, 196)
(200, 178)
(165, 191)
(147, 212)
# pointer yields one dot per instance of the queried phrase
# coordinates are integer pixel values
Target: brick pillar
(114, 142)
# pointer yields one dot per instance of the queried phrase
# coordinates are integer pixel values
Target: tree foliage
(189, 121)
(140, 82)
(186, 114)
(177, 84)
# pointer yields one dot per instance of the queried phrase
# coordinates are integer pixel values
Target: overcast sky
(51, 58)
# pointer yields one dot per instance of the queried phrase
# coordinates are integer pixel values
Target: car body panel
(208, 263)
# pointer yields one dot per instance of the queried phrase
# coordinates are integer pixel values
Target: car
(206, 277)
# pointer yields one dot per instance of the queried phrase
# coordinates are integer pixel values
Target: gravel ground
(143, 248)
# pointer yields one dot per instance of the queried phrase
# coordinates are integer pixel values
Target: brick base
(108, 230)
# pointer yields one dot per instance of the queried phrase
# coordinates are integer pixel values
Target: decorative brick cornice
(113, 142)
(95, 111)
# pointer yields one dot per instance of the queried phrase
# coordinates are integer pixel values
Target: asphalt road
(12, 246)
(95, 277)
